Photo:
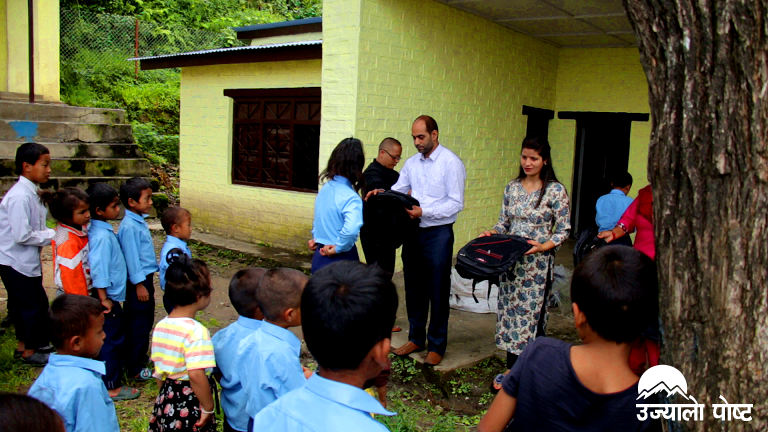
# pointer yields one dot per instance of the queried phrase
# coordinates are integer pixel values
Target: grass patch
(15, 377)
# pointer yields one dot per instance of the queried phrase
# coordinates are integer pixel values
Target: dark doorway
(602, 149)
(538, 121)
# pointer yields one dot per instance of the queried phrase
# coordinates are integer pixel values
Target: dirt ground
(424, 399)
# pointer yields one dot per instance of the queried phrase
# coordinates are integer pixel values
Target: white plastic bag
(461, 295)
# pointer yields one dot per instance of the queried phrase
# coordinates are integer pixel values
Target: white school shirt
(437, 182)
(22, 228)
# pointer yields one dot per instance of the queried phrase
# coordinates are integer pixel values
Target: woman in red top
(639, 216)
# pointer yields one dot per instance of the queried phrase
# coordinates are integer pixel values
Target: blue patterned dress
(521, 300)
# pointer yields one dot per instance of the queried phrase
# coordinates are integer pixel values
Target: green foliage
(215, 14)
(404, 367)
(157, 148)
(97, 38)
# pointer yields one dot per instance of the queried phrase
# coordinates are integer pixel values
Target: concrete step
(78, 150)
(59, 113)
(87, 167)
(46, 131)
(6, 182)
(20, 97)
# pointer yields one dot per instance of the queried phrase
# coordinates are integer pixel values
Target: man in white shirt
(436, 178)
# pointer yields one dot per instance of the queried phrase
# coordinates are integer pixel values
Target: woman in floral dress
(535, 207)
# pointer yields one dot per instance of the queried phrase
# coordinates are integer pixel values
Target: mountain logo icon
(663, 379)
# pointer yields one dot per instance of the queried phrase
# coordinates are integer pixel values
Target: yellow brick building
(14, 47)
(383, 63)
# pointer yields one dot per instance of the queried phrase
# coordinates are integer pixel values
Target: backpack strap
(474, 284)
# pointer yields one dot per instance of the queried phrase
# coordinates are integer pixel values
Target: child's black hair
(30, 153)
(173, 216)
(24, 413)
(278, 290)
(70, 315)
(621, 180)
(132, 188)
(186, 279)
(616, 288)
(100, 196)
(347, 307)
(63, 202)
(242, 291)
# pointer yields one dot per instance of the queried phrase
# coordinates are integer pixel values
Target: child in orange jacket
(71, 272)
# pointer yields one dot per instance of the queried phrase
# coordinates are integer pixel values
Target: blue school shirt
(171, 242)
(338, 215)
(226, 343)
(270, 367)
(139, 251)
(106, 259)
(22, 228)
(72, 387)
(610, 208)
(322, 405)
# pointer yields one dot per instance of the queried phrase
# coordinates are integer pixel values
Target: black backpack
(386, 219)
(488, 258)
(586, 242)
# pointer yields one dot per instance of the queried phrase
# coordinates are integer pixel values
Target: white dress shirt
(22, 228)
(437, 182)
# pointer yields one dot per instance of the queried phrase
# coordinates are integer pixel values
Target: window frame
(304, 94)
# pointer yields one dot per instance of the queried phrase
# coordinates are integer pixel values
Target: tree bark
(707, 70)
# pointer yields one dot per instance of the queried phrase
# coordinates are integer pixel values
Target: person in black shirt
(381, 174)
(556, 386)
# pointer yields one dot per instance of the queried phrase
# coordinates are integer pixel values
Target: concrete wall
(608, 80)
(255, 214)
(471, 75)
(15, 42)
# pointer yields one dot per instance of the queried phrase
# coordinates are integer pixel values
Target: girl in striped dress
(182, 351)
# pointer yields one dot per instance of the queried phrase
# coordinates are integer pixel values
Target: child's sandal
(126, 393)
(144, 375)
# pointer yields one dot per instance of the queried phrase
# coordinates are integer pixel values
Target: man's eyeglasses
(395, 158)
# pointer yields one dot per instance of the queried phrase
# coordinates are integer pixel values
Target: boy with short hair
(614, 297)
(348, 310)
(22, 234)
(271, 354)
(227, 343)
(108, 278)
(177, 223)
(71, 382)
(139, 251)
(611, 206)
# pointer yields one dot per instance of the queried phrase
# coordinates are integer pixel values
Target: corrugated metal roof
(242, 48)
(279, 24)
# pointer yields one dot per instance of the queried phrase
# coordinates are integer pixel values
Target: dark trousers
(320, 261)
(139, 318)
(427, 261)
(376, 253)
(29, 311)
(113, 351)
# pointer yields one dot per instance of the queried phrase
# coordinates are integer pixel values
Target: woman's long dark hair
(347, 160)
(547, 175)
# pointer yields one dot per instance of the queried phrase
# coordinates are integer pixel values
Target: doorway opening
(602, 150)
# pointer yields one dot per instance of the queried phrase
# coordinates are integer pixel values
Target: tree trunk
(707, 69)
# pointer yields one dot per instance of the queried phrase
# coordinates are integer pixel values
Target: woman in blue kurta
(535, 207)
(338, 206)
